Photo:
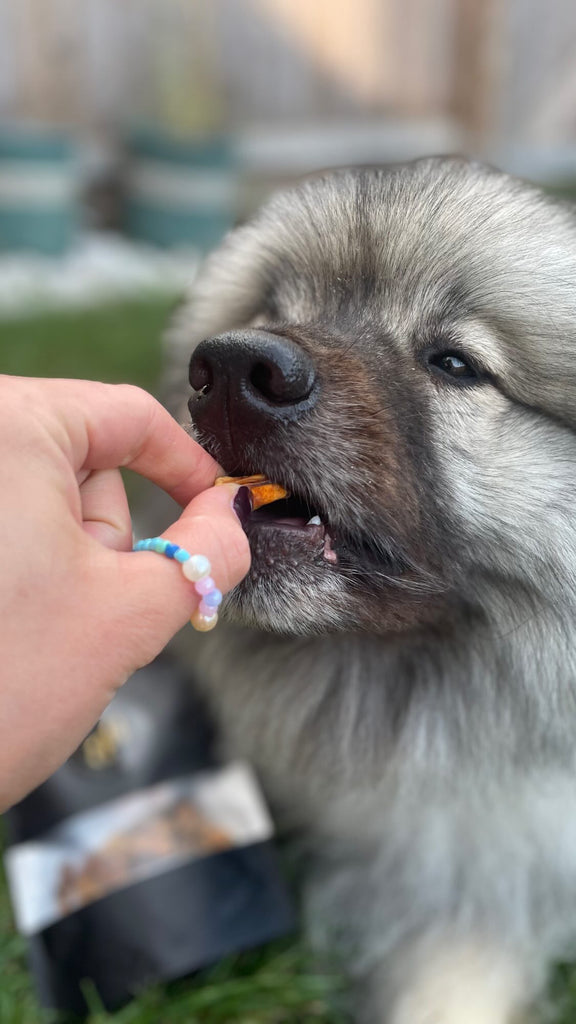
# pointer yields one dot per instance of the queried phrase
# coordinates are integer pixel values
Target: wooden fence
(500, 68)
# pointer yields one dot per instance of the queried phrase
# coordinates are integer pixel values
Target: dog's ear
(534, 306)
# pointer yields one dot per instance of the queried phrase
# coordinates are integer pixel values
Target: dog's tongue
(263, 491)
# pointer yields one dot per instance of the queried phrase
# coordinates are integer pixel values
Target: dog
(397, 348)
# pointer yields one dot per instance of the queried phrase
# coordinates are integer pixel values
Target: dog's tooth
(315, 521)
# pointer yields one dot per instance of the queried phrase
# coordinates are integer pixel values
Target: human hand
(80, 612)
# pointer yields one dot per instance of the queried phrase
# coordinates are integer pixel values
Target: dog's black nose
(250, 377)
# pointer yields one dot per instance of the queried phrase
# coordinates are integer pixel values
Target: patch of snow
(102, 267)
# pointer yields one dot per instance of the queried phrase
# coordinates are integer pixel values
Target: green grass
(277, 985)
(118, 343)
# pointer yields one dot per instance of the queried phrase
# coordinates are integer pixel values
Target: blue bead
(159, 545)
(213, 598)
(182, 555)
(171, 549)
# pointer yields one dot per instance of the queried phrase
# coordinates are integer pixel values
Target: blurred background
(135, 133)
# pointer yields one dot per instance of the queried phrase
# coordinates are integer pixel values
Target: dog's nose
(250, 376)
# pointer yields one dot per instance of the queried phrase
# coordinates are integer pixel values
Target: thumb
(157, 599)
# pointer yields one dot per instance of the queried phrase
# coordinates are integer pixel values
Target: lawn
(277, 985)
(114, 343)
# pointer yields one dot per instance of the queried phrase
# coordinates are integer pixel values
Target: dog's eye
(453, 366)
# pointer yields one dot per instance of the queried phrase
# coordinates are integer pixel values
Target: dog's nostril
(283, 381)
(269, 381)
(201, 375)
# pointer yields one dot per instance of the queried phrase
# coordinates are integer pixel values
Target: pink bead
(204, 586)
(206, 610)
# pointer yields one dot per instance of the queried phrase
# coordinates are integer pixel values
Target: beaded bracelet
(195, 568)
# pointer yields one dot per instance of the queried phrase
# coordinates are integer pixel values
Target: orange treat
(263, 491)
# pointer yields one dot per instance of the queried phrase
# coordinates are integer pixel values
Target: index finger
(120, 425)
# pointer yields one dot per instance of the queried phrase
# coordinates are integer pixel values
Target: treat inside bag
(263, 491)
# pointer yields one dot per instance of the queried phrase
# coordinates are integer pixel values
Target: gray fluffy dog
(398, 349)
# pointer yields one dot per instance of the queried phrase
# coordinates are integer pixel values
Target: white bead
(196, 568)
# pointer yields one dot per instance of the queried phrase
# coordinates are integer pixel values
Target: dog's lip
(313, 539)
(264, 517)
(290, 524)
(263, 520)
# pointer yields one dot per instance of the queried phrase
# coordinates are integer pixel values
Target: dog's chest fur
(371, 764)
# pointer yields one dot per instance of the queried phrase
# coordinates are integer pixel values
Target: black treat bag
(142, 859)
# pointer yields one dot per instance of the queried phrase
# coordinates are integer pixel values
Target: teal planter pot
(38, 191)
(180, 192)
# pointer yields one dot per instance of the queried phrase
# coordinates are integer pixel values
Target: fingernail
(242, 504)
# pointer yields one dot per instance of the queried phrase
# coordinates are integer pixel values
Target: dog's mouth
(293, 521)
(324, 557)
(292, 530)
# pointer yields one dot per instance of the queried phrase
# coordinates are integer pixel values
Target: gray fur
(426, 758)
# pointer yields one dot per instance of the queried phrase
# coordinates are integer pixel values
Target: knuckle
(132, 391)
